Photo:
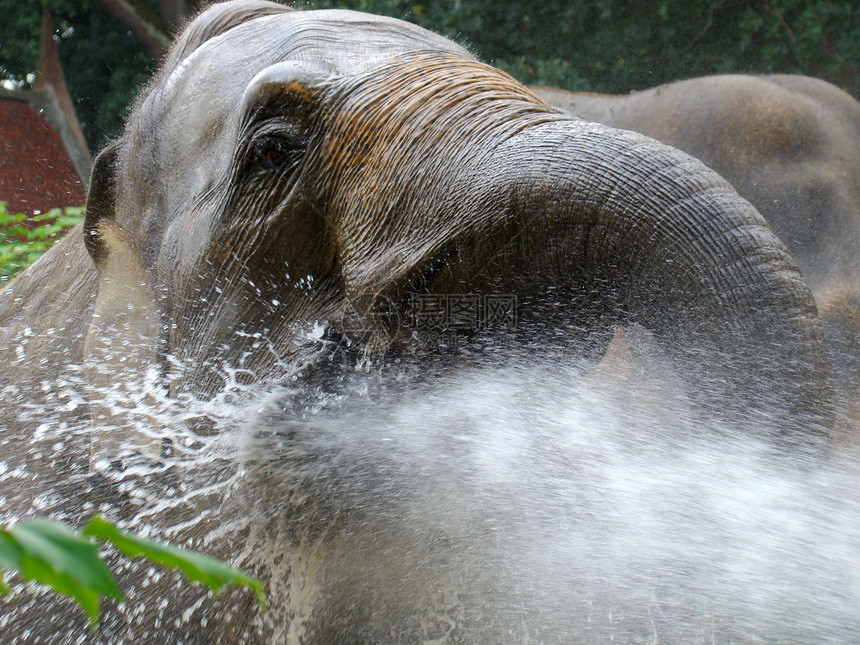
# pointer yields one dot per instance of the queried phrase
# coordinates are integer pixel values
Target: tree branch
(51, 95)
(708, 22)
(781, 19)
(142, 26)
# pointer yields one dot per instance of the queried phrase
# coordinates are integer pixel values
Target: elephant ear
(100, 199)
(123, 334)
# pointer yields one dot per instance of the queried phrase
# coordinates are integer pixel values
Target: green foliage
(620, 45)
(52, 554)
(24, 238)
(198, 568)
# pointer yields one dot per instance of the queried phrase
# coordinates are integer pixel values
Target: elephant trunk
(628, 230)
(488, 190)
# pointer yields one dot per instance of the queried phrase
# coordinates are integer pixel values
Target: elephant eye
(272, 152)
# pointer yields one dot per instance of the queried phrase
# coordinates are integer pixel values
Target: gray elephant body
(788, 144)
(287, 169)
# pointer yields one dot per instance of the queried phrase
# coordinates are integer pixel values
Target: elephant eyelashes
(273, 152)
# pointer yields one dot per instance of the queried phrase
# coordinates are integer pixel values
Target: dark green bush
(622, 45)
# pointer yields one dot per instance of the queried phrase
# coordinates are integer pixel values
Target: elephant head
(286, 168)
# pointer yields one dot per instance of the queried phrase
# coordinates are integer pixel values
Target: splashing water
(498, 502)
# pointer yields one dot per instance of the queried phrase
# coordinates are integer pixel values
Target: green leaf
(67, 221)
(9, 552)
(50, 553)
(199, 568)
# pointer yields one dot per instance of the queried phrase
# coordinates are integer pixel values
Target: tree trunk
(51, 97)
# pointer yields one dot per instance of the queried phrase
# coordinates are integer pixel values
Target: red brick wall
(36, 174)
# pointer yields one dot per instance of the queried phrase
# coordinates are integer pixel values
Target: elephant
(787, 144)
(288, 174)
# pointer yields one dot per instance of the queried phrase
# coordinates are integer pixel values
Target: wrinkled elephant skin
(285, 170)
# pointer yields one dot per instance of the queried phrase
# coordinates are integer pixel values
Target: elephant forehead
(182, 137)
(342, 43)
